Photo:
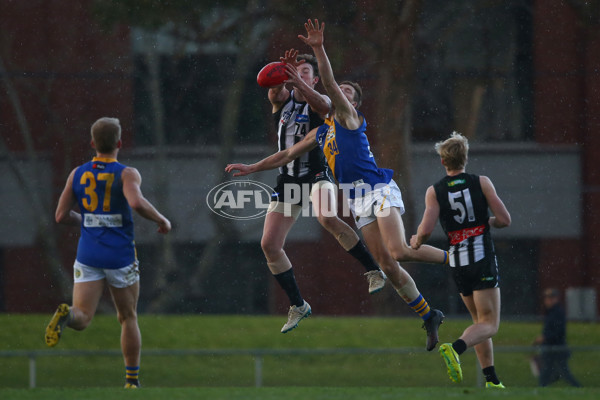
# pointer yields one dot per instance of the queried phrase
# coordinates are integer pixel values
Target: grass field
(300, 393)
(417, 374)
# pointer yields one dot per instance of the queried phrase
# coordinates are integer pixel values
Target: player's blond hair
(106, 133)
(454, 151)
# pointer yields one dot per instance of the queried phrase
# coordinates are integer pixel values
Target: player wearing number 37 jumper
(461, 203)
(105, 192)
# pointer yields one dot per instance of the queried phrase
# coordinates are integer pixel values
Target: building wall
(68, 74)
(567, 105)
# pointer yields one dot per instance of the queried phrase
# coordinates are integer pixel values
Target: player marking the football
(105, 191)
(373, 197)
(296, 112)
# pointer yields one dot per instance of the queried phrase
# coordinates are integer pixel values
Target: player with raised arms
(295, 113)
(373, 197)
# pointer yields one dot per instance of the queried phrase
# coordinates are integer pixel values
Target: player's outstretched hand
(243, 169)
(414, 243)
(290, 58)
(164, 226)
(314, 33)
(293, 75)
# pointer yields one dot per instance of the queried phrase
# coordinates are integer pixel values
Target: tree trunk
(226, 235)
(30, 185)
(392, 120)
(168, 263)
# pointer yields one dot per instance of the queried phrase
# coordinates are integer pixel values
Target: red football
(272, 74)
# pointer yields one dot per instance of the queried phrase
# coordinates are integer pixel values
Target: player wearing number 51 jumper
(105, 192)
(461, 203)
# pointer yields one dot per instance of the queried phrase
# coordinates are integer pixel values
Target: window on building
(473, 71)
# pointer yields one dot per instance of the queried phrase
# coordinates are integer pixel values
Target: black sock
(360, 252)
(287, 281)
(459, 346)
(490, 375)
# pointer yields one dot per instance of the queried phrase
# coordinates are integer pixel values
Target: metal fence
(259, 354)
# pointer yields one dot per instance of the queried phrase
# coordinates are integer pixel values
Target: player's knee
(399, 253)
(124, 316)
(491, 323)
(382, 257)
(387, 264)
(494, 328)
(328, 222)
(389, 270)
(270, 248)
(83, 321)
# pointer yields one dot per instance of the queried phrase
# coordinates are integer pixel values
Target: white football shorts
(365, 209)
(294, 210)
(119, 278)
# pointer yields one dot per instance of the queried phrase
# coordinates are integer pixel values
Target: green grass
(312, 376)
(300, 393)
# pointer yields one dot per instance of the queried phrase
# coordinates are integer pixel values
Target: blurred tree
(225, 24)
(45, 227)
(36, 71)
(588, 12)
